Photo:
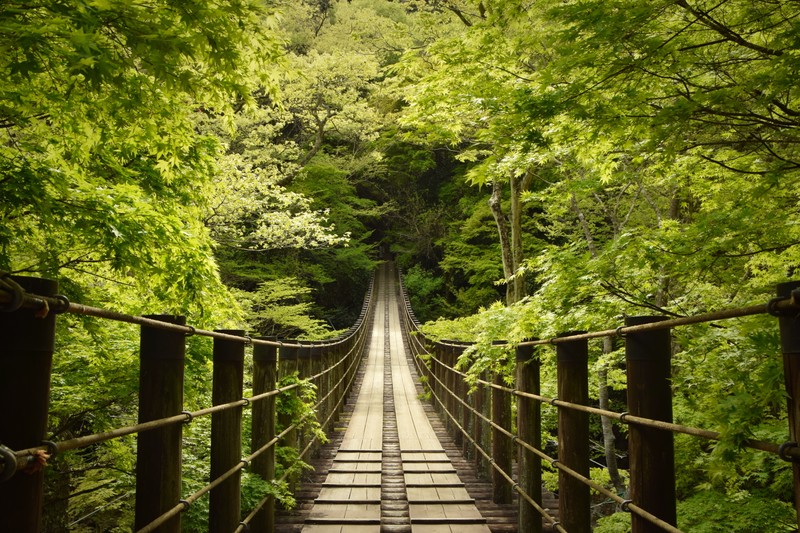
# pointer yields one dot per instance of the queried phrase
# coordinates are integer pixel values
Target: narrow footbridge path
(393, 465)
(391, 472)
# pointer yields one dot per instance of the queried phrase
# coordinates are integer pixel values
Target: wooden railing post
(449, 356)
(328, 380)
(438, 372)
(502, 447)
(317, 366)
(304, 371)
(789, 324)
(26, 356)
(468, 418)
(226, 433)
(265, 374)
(482, 434)
(287, 365)
(652, 451)
(338, 353)
(460, 389)
(574, 498)
(529, 429)
(158, 453)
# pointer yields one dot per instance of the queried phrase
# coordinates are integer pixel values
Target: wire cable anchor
(17, 293)
(782, 452)
(9, 462)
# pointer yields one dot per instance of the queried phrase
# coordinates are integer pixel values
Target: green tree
(101, 168)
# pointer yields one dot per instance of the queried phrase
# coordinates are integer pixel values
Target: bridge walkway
(391, 472)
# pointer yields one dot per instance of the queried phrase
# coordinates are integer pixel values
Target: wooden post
(574, 498)
(288, 365)
(327, 384)
(529, 429)
(502, 448)
(652, 451)
(438, 374)
(481, 406)
(226, 433)
(789, 324)
(317, 366)
(448, 356)
(158, 453)
(468, 418)
(460, 389)
(338, 352)
(26, 358)
(263, 431)
(303, 372)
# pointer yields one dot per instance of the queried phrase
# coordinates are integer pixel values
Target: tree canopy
(534, 167)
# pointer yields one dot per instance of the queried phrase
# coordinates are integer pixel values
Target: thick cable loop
(622, 417)
(186, 504)
(191, 331)
(52, 448)
(245, 527)
(9, 460)
(619, 333)
(624, 506)
(189, 417)
(772, 305)
(782, 451)
(65, 303)
(17, 293)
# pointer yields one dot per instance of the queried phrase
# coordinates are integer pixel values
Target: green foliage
(662, 184)
(255, 489)
(615, 523)
(743, 512)
(296, 406)
(102, 170)
(281, 308)
(422, 287)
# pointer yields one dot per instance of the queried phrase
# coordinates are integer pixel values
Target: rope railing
(189, 500)
(554, 462)
(486, 455)
(245, 524)
(649, 503)
(625, 418)
(30, 308)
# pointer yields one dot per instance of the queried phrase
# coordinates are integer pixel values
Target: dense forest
(533, 167)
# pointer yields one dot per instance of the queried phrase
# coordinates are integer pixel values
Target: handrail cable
(355, 336)
(62, 305)
(88, 440)
(543, 512)
(791, 303)
(189, 500)
(554, 462)
(244, 524)
(625, 418)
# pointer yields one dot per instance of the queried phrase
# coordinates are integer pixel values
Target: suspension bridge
(469, 460)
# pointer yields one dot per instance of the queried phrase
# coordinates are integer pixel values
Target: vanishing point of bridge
(390, 472)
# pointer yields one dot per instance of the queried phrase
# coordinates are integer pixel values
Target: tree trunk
(518, 185)
(505, 243)
(609, 446)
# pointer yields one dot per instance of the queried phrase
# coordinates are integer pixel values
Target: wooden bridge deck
(389, 469)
